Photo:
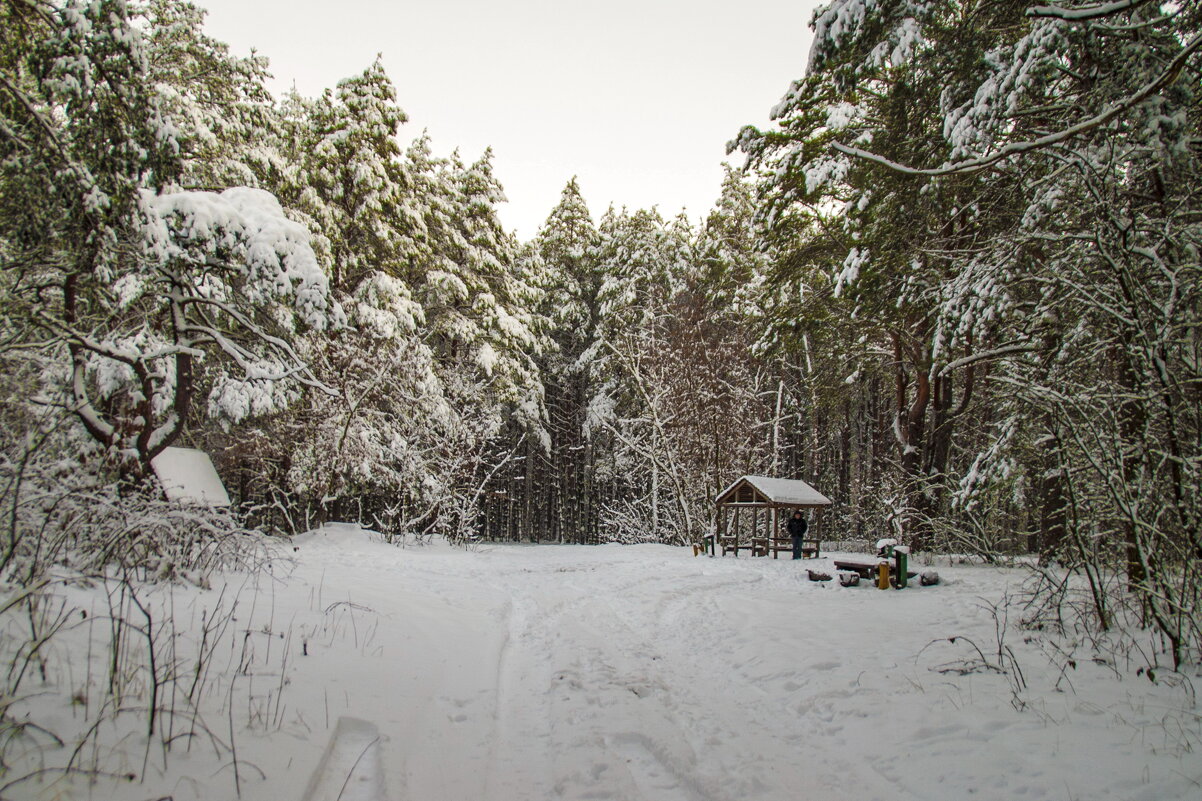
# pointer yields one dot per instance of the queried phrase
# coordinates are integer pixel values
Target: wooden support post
(775, 531)
(817, 535)
(755, 528)
(735, 526)
(757, 535)
(721, 530)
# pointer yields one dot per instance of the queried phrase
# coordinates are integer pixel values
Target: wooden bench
(732, 543)
(762, 546)
(809, 547)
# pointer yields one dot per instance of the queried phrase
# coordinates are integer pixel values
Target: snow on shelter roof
(188, 475)
(778, 491)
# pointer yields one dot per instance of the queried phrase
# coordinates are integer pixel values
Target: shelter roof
(774, 492)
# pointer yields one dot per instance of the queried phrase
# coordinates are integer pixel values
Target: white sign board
(188, 475)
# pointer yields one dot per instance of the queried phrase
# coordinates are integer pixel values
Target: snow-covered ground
(514, 673)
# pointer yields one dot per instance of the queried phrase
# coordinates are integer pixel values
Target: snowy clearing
(634, 672)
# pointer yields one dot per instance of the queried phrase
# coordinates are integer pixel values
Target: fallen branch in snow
(963, 667)
(1004, 662)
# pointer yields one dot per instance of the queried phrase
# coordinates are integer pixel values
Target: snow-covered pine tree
(1087, 113)
(217, 103)
(567, 244)
(882, 246)
(121, 279)
(471, 288)
(555, 485)
(647, 381)
(481, 327)
(353, 182)
(362, 450)
(730, 262)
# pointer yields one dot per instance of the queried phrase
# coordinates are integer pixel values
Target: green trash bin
(900, 554)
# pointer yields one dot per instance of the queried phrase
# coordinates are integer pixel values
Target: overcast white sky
(635, 97)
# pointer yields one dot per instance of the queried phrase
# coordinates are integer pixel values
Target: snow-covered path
(540, 672)
(631, 673)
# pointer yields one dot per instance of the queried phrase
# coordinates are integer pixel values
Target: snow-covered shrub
(70, 527)
(140, 670)
(61, 510)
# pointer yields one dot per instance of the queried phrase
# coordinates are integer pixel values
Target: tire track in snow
(563, 696)
(645, 742)
(733, 727)
(528, 758)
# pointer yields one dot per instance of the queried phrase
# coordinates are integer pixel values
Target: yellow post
(882, 576)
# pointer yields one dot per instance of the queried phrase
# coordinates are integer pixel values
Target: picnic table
(867, 568)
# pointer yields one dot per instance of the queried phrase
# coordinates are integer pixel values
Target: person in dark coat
(797, 530)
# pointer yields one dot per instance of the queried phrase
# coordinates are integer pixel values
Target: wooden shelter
(753, 505)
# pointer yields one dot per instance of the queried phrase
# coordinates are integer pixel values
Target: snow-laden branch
(1085, 13)
(243, 357)
(128, 356)
(50, 134)
(40, 8)
(69, 334)
(1166, 77)
(480, 487)
(163, 434)
(91, 418)
(985, 355)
